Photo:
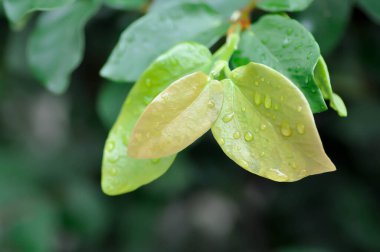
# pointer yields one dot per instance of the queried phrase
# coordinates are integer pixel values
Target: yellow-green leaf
(267, 127)
(177, 117)
(121, 173)
(322, 79)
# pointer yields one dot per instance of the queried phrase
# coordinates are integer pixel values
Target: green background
(51, 149)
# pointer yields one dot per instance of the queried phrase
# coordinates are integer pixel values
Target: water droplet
(257, 83)
(276, 175)
(227, 118)
(156, 160)
(110, 146)
(243, 109)
(221, 141)
(236, 135)
(268, 102)
(248, 136)
(286, 130)
(262, 154)
(244, 164)
(285, 43)
(114, 159)
(257, 99)
(300, 128)
(211, 104)
(299, 108)
(263, 126)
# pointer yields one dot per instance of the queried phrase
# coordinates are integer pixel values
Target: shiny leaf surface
(177, 117)
(121, 173)
(266, 126)
(141, 42)
(285, 45)
(56, 45)
(284, 5)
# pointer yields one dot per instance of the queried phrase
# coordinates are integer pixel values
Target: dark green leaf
(283, 5)
(56, 45)
(16, 10)
(225, 7)
(285, 45)
(120, 173)
(372, 8)
(327, 20)
(156, 32)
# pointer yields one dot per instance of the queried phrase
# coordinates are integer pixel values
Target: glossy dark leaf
(141, 42)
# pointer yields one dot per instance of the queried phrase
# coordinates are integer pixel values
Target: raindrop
(268, 102)
(110, 146)
(277, 175)
(299, 108)
(285, 43)
(262, 154)
(248, 136)
(286, 130)
(227, 118)
(211, 104)
(300, 128)
(236, 135)
(263, 127)
(244, 164)
(243, 109)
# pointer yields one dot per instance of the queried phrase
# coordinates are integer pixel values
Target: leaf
(120, 173)
(284, 5)
(177, 117)
(16, 10)
(322, 78)
(327, 20)
(372, 8)
(126, 4)
(224, 7)
(267, 127)
(285, 45)
(109, 102)
(56, 45)
(156, 32)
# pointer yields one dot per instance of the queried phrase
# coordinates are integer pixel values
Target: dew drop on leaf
(268, 102)
(257, 99)
(286, 130)
(301, 128)
(211, 104)
(236, 135)
(248, 136)
(227, 118)
(110, 146)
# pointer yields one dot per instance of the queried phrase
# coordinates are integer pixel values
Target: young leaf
(266, 126)
(16, 10)
(224, 7)
(156, 32)
(322, 78)
(327, 21)
(56, 45)
(284, 5)
(120, 173)
(177, 117)
(285, 45)
(372, 8)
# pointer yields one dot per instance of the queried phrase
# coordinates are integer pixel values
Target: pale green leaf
(372, 8)
(283, 5)
(177, 117)
(56, 45)
(266, 126)
(156, 32)
(16, 10)
(285, 45)
(322, 78)
(120, 173)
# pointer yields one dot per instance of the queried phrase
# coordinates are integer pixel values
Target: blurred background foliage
(51, 148)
